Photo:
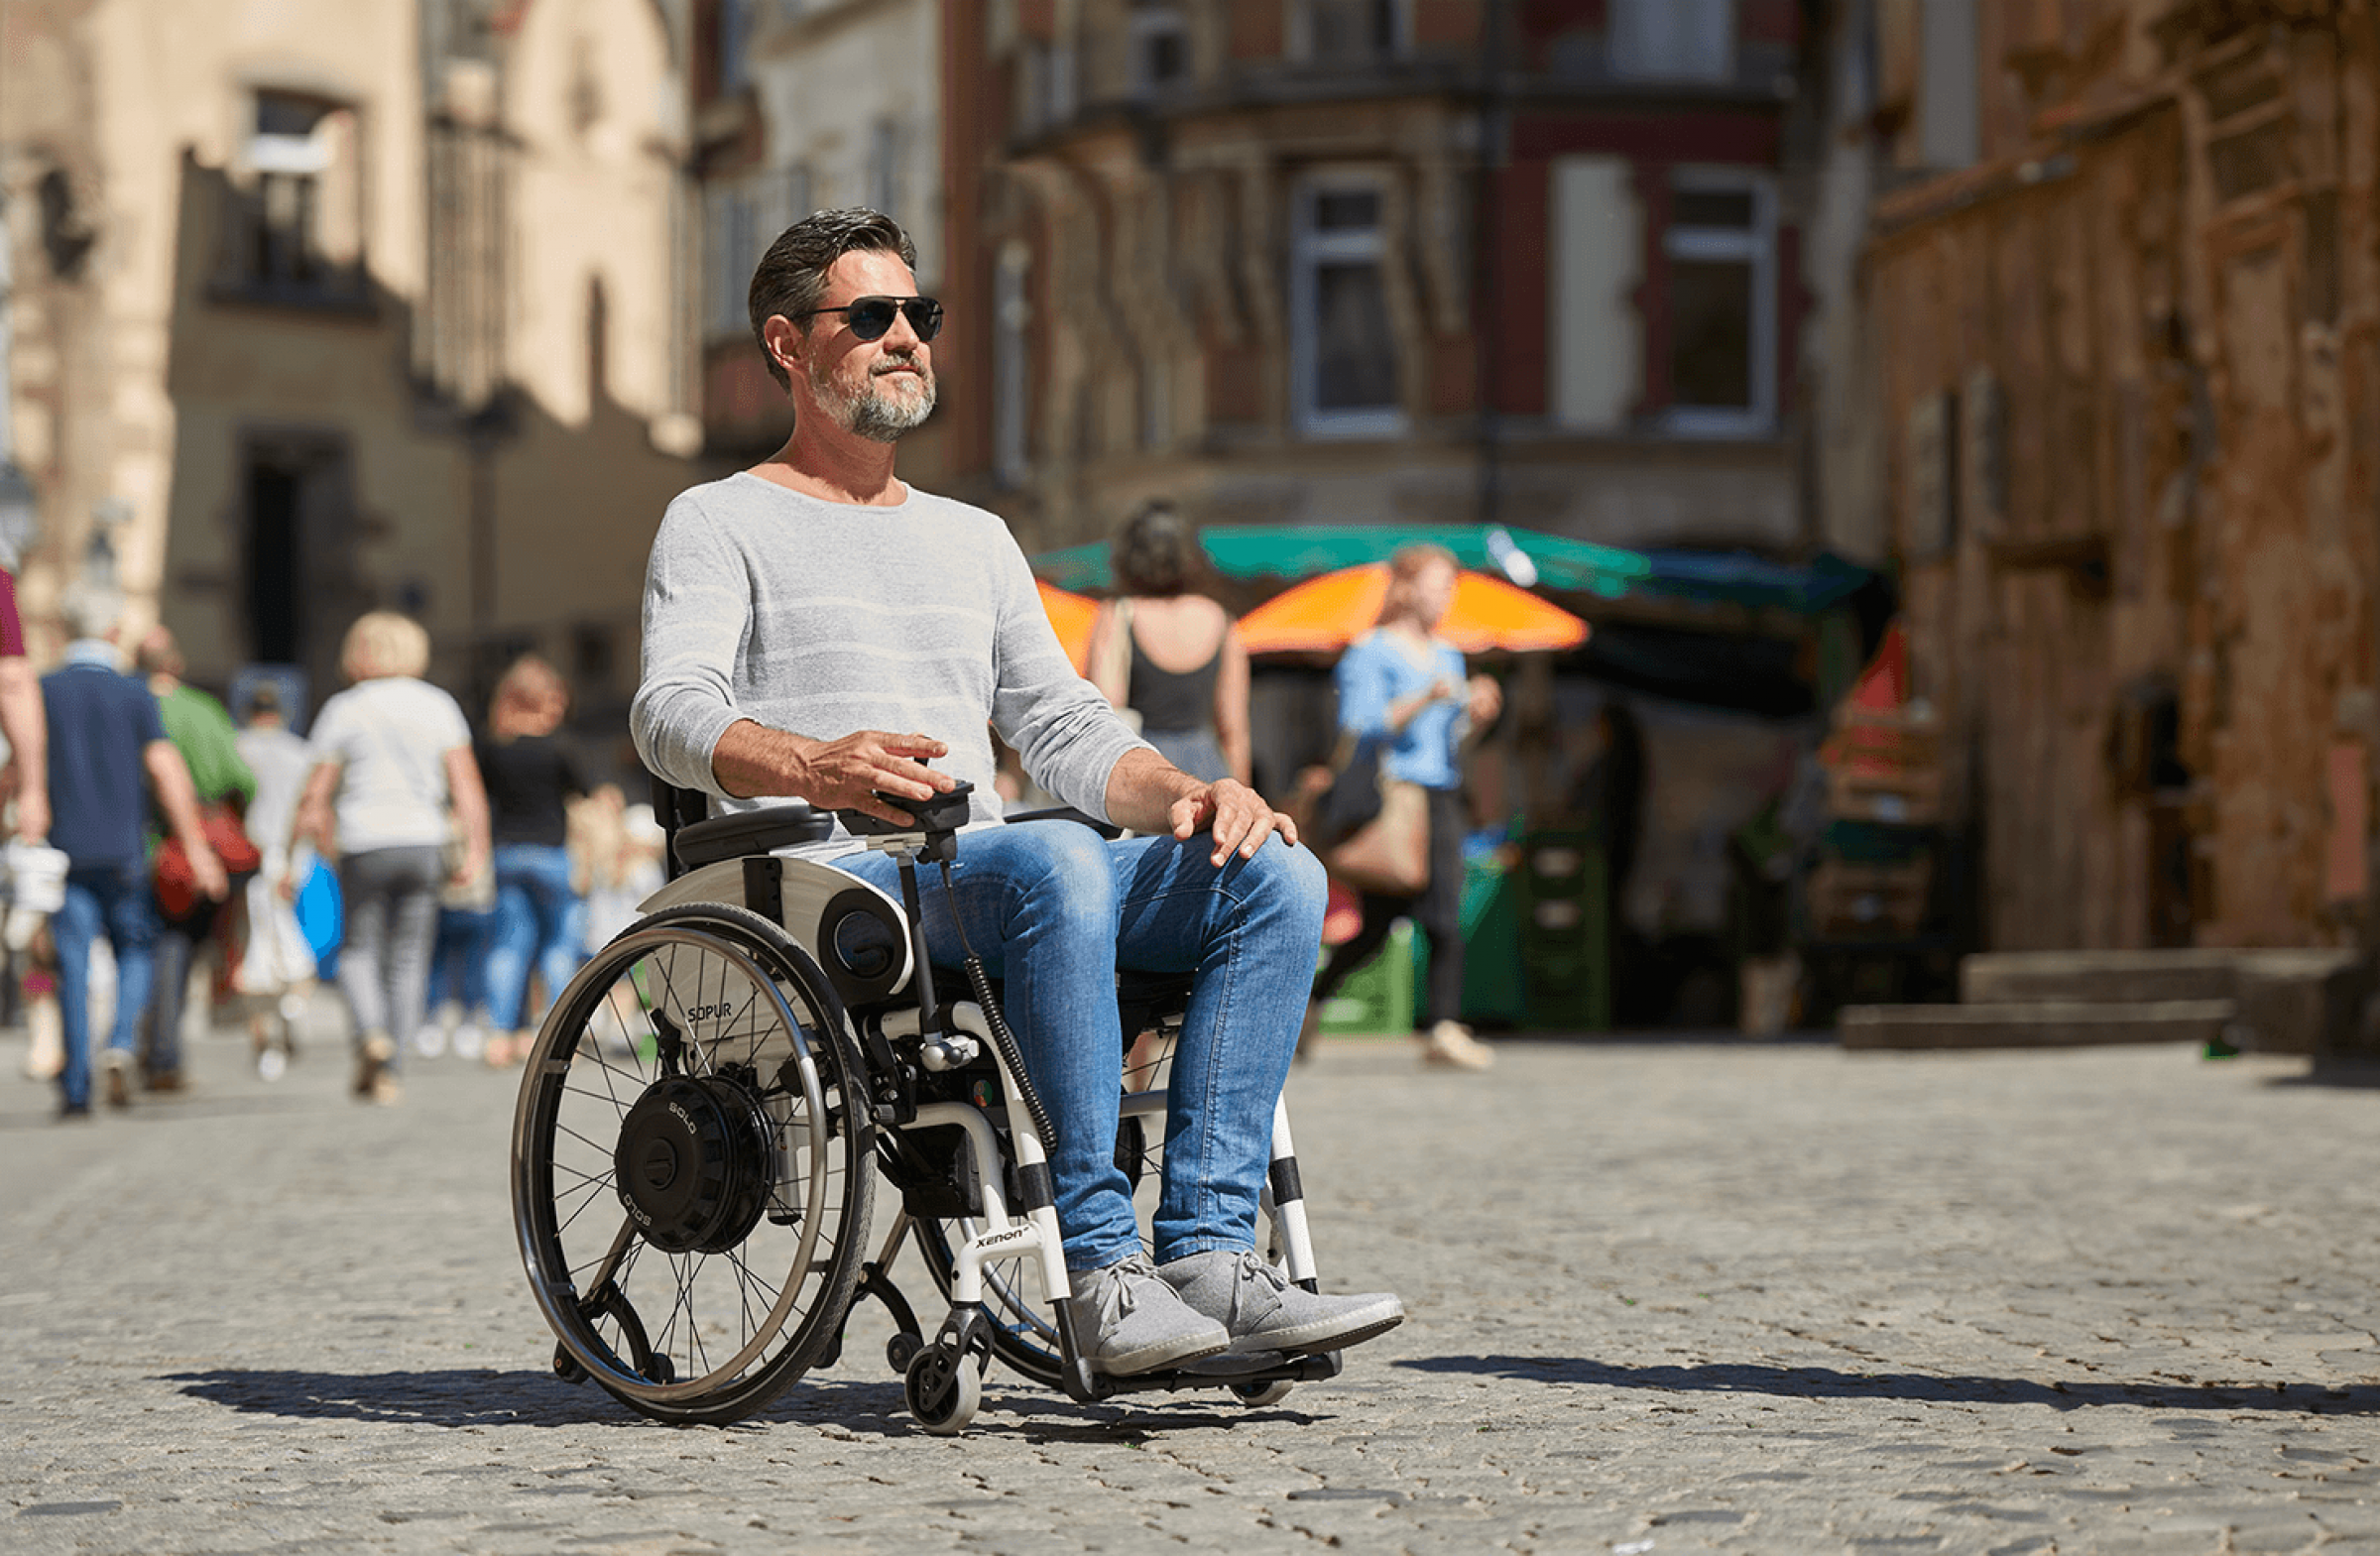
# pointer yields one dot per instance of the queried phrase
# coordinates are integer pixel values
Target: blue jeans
(111, 900)
(458, 960)
(1054, 910)
(541, 923)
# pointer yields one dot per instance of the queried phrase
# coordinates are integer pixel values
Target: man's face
(873, 389)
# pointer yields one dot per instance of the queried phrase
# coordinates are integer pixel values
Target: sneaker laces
(1113, 1299)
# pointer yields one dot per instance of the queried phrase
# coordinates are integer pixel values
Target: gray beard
(879, 418)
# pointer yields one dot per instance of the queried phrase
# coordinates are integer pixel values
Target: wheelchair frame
(932, 1095)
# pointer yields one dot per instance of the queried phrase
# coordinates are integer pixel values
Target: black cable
(1002, 1038)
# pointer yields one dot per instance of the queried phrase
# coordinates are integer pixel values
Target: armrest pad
(750, 832)
(1069, 813)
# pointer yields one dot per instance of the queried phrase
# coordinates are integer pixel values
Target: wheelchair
(710, 1104)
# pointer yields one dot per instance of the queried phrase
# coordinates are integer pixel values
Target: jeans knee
(1070, 881)
(1289, 883)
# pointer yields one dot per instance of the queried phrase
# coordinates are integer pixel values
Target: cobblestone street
(1664, 1297)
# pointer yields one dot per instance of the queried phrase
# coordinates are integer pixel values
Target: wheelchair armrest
(745, 832)
(1069, 813)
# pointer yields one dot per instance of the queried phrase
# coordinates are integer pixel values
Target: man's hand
(847, 773)
(1237, 816)
(207, 870)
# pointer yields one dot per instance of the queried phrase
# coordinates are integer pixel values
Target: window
(295, 227)
(1597, 248)
(884, 168)
(1672, 39)
(734, 244)
(1011, 367)
(1343, 344)
(1160, 45)
(1349, 32)
(732, 17)
(1949, 106)
(1721, 248)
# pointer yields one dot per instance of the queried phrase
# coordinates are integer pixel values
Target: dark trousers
(177, 941)
(1438, 910)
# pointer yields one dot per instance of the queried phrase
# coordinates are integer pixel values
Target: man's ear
(784, 340)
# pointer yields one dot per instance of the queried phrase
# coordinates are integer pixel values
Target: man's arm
(752, 761)
(28, 730)
(468, 794)
(178, 799)
(1149, 793)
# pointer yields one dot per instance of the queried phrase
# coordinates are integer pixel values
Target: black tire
(719, 1007)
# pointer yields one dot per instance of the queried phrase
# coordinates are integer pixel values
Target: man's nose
(902, 333)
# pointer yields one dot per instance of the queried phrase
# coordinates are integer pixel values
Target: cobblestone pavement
(1665, 1297)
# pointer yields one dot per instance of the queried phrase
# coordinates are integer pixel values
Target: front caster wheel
(943, 1389)
(1259, 1395)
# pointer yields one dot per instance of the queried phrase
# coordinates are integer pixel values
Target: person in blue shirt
(1404, 685)
(106, 738)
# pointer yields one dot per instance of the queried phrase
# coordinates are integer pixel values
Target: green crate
(1377, 997)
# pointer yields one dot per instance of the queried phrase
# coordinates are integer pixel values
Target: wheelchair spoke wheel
(690, 1187)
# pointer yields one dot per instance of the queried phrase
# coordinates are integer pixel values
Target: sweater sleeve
(697, 618)
(1065, 733)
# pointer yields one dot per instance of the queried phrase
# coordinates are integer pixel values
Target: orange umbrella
(1333, 610)
(1071, 615)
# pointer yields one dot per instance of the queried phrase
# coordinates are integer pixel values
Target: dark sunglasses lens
(926, 317)
(869, 317)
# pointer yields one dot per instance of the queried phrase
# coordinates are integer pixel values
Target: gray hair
(791, 276)
(91, 612)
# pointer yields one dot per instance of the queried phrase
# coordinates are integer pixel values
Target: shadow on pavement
(465, 1396)
(1821, 1383)
(484, 1397)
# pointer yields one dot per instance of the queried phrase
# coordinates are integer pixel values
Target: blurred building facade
(328, 308)
(2129, 399)
(1260, 256)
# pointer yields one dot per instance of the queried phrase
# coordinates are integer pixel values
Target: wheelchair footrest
(1311, 1369)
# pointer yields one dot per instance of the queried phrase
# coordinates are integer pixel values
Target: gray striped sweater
(823, 618)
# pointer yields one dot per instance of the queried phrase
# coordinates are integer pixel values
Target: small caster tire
(902, 1350)
(661, 1369)
(566, 1367)
(943, 1391)
(1259, 1395)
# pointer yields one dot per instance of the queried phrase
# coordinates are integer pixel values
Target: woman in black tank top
(1197, 718)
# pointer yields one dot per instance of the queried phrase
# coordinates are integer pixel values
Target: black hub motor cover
(692, 1163)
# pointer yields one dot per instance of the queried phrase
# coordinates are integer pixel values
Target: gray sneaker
(1130, 1321)
(1265, 1312)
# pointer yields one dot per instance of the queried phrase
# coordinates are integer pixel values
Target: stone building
(351, 305)
(2128, 380)
(1316, 261)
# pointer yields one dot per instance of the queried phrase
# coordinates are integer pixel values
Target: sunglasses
(869, 317)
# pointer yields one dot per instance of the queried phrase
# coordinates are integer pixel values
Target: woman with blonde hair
(1403, 685)
(391, 760)
(541, 913)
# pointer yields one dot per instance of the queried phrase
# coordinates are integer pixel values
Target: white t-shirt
(390, 736)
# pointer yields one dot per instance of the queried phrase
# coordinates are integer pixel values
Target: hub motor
(692, 1163)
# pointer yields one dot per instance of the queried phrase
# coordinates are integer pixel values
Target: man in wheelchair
(799, 613)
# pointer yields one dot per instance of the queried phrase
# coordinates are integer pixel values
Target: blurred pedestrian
(105, 735)
(1169, 655)
(394, 784)
(201, 731)
(276, 970)
(22, 723)
(1404, 685)
(459, 977)
(541, 913)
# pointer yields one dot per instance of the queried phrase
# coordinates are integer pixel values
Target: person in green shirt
(201, 729)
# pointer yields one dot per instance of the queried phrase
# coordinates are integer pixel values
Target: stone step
(2306, 1000)
(2034, 1024)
